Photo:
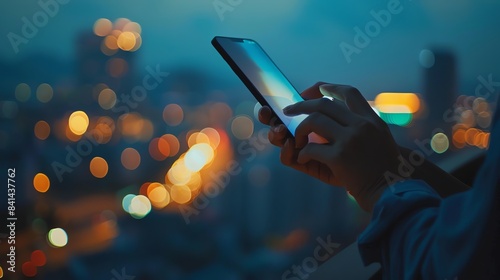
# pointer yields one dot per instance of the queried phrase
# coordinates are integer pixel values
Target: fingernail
(280, 128)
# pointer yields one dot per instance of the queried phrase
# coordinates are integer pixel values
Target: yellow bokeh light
(173, 114)
(194, 183)
(57, 237)
(98, 167)
(179, 174)
(41, 182)
(180, 194)
(78, 122)
(391, 100)
(23, 92)
(126, 41)
(159, 197)
(102, 27)
(107, 99)
(198, 156)
(42, 130)
(130, 158)
(44, 93)
(138, 42)
(242, 127)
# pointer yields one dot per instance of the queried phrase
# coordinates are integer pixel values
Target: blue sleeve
(415, 234)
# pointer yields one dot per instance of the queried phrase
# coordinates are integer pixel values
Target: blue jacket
(416, 234)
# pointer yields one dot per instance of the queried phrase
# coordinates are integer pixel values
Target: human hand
(360, 150)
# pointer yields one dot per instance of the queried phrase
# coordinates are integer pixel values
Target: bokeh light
(57, 237)
(107, 99)
(23, 92)
(41, 182)
(78, 122)
(392, 102)
(130, 158)
(117, 67)
(173, 144)
(127, 201)
(140, 206)
(242, 127)
(103, 27)
(440, 143)
(99, 167)
(180, 194)
(154, 149)
(42, 130)
(29, 269)
(38, 258)
(159, 197)
(198, 156)
(213, 137)
(178, 174)
(44, 93)
(126, 41)
(173, 114)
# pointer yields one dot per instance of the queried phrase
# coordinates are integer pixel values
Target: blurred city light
(173, 114)
(42, 130)
(98, 167)
(242, 127)
(41, 182)
(57, 237)
(440, 143)
(130, 158)
(139, 207)
(23, 92)
(44, 93)
(78, 122)
(180, 194)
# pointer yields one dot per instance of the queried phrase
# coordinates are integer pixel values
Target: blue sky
(303, 37)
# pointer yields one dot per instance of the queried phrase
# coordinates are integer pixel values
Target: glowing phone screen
(265, 77)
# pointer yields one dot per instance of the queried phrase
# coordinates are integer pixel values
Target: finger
(352, 98)
(313, 92)
(277, 135)
(265, 115)
(320, 124)
(325, 106)
(321, 153)
(288, 154)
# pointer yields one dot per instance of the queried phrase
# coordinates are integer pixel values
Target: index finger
(352, 98)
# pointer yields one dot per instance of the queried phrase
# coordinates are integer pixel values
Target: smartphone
(263, 78)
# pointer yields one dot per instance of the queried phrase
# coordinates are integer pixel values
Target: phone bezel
(237, 70)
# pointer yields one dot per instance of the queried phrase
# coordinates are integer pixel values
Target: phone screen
(265, 77)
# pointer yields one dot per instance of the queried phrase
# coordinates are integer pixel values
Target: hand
(361, 149)
(278, 136)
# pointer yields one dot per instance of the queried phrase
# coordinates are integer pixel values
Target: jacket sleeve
(415, 234)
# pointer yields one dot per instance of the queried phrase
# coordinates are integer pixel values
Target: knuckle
(317, 84)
